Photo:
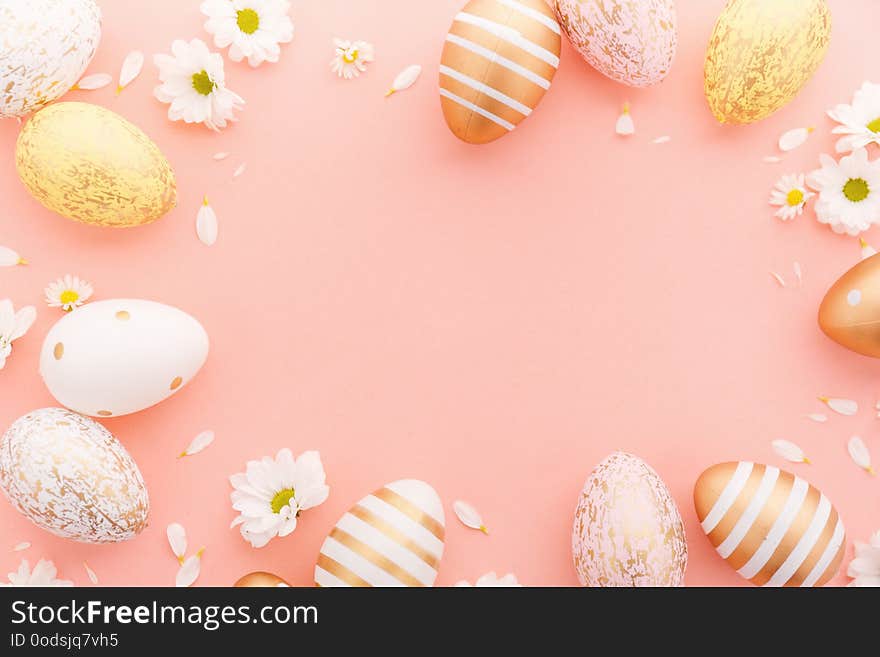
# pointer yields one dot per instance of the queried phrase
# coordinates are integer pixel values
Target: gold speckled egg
(89, 164)
(71, 477)
(760, 55)
(45, 47)
(260, 579)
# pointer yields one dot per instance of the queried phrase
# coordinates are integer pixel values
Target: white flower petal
(198, 443)
(778, 278)
(93, 578)
(239, 170)
(206, 224)
(842, 406)
(625, 125)
(818, 417)
(789, 451)
(10, 258)
(94, 81)
(177, 540)
(772, 159)
(791, 139)
(867, 249)
(24, 545)
(663, 139)
(859, 453)
(222, 155)
(405, 79)
(469, 516)
(189, 570)
(131, 68)
(798, 272)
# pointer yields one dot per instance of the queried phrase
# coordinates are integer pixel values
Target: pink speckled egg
(627, 529)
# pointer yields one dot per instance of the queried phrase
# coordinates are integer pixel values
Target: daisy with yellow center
(790, 194)
(68, 293)
(849, 192)
(351, 58)
(859, 122)
(250, 28)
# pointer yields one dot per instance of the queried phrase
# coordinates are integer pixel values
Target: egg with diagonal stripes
(392, 537)
(771, 526)
(498, 60)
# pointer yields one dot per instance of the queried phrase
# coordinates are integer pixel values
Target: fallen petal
(131, 68)
(189, 570)
(177, 540)
(794, 138)
(94, 81)
(860, 455)
(10, 258)
(842, 406)
(198, 443)
(405, 79)
(206, 224)
(93, 578)
(469, 516)
(789, 451)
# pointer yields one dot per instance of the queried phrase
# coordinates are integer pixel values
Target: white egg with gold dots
(120, 356)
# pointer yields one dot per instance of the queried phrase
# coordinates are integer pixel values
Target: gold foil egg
(629, 41)
(89, 164)
(45, 47)
(761, 53)
(627, 530)
(498, 60)
(71, 477)
(771, 526)
(850, 312)
(260, 579)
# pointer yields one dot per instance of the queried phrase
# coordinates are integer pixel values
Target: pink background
(494, 320)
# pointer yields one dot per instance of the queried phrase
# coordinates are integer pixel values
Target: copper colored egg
(850, 312)
(260, 579)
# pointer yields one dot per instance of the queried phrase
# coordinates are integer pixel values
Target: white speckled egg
(392, 537)
(627, 529)
(120, 356)
(630, 41)
(45, 47)
(71, 477)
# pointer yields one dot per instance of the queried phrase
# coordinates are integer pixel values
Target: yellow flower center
(69, 296)
(856, 189)
(350, 56)
(282, 499)
(203, 83)
(874, 126)
(248, 21)
(795, 197)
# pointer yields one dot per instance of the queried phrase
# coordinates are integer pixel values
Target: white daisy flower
(251, 28)
(271, 494)
(13, 325)
(790, 194)
(849, 192)
(194, 84)
(491, 579)
(351, 58)
(865, 566)
(43, 574)
(68, 293)
(860, 122)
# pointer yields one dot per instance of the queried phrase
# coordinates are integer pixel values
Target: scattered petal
(661, 140)
(469, 516)
(772, 159)
(198, 443)
(842, 406)
(798, 272)
(239, 170)
(794, 138)
(818, 417)
(222, 155)
(867, 249)
(206, 224)
(860, 455)
(10, 258)
(94, 81)
(131, 68)
(177, 540)
(789, 451)
(24, 545)
(189, 570)
(93, 578)
(778, 278)
(625, 125)
(405, 79)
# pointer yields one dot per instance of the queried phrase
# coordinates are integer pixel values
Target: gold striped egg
(771, 526)
(89, 164)
(393, 537)
(761, 53)
(498, 60)
(850, 312)
(70, 476)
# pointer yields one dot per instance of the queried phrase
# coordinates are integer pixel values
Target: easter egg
(393, 537)
(89, 164)
(850, 312)
(761, 53)
(111, 358)
(630, 41)
(498, 60)
(45, 47)
(260, 579)
(71, 477)
(627, 529)
(771, 526)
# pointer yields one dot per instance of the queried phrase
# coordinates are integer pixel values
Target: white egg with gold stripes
(498, 61)
(771, 526)
(392, 537)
